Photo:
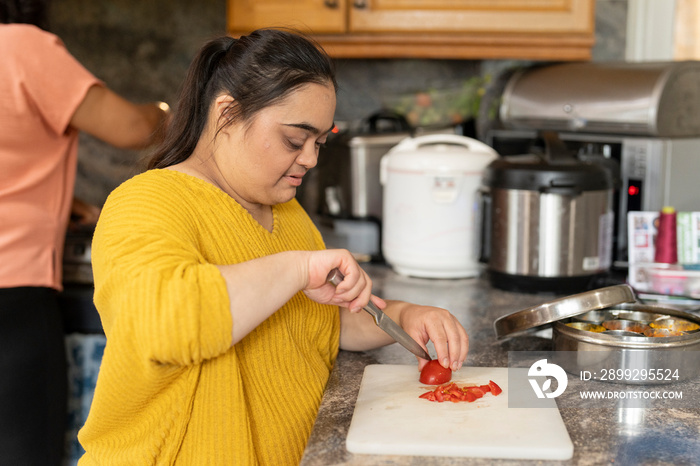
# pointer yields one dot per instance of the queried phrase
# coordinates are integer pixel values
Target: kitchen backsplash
(142, 49)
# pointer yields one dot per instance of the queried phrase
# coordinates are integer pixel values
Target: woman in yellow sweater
(210, 278)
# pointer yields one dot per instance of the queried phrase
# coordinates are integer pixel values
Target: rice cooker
(548, 221)
(430, 205)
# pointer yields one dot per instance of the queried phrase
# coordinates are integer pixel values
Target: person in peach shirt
(48, 97)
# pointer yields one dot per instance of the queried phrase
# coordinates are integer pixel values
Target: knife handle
(335, 276)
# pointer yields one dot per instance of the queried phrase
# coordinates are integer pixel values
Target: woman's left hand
(428, 323)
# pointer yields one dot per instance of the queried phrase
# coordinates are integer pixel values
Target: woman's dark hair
(25, 12)
(257, 70)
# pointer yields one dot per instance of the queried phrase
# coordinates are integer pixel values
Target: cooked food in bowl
(662, 332)
(680, 325)
(587, 326)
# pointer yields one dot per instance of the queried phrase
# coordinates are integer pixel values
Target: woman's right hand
(354, 292)
(255, 293)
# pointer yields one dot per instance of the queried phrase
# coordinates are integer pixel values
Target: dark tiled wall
(142, 48)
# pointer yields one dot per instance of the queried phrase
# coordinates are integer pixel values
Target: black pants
(33, 378)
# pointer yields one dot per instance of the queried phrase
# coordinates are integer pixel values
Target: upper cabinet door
(472, 16)
(318, 16)
(471, 29)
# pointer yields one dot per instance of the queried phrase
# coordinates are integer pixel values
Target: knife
(384, 322)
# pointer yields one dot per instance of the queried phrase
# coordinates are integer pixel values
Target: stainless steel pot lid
(569, 306)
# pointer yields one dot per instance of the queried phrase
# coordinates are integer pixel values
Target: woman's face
(263, 163)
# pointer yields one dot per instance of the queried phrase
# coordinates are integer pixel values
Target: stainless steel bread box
(588, 330)
(647, 98)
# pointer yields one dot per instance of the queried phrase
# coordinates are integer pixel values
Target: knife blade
(384, 322)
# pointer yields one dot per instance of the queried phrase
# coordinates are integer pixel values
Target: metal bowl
(677, 353)
(623, 333)
(626, 325)
(594, 317)
(578, 349)
(638, 316)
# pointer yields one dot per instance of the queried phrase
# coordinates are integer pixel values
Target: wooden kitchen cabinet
(463, 29)
(318, 16)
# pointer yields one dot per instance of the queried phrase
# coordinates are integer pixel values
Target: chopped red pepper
(439, 395)
(454, 393)
(453, 389)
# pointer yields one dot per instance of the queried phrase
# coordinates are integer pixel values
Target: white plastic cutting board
(391, 419)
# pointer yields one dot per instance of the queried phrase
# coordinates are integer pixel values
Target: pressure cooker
(548, 220)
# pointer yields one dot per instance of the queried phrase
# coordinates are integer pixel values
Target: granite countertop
(668, 433)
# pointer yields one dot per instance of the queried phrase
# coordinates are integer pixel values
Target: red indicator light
(335, 129)
(633, 190)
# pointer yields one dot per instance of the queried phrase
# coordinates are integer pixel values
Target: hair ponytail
(192, 110)
(257, 70)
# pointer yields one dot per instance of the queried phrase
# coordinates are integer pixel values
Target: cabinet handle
(331, 3)
(360, 4)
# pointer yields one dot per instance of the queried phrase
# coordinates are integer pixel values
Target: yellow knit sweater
(171, 388)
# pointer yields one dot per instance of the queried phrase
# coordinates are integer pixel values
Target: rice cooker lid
(521, 321)
(440, 153)
(535, 173)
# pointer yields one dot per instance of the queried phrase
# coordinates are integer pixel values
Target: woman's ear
(223, 106)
